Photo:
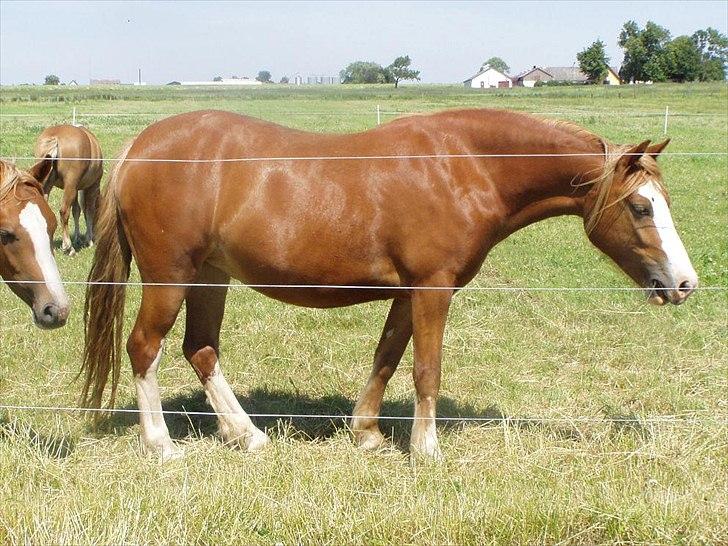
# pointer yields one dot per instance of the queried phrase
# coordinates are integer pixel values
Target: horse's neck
(541, 183)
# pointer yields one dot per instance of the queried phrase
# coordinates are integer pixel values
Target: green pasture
(633, 445)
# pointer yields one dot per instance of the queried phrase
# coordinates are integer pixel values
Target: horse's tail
(47, 147)
(105, 295)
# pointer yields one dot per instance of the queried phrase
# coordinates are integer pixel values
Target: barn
(489, 77)
(529, 77)
(571, 74)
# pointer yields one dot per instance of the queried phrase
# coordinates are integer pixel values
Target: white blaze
(34, 223)
(679, 266)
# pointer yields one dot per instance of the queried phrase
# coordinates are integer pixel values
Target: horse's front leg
(392, 344)
(429, 314)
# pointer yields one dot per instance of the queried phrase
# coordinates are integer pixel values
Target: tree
(644, 51)
(263, 76)
(683, 60)
(365, 72)
(400, 70)
(52, 79)
(713, 48)
(629, 30)
(217, 79)
(593, 62)
(284, 79)
(496, 62)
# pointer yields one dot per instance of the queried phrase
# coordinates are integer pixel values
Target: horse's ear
(41, 170)
(656, 149)
(633, 154)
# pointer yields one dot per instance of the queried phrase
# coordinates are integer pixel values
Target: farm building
(572, 74)
(226, 81)
(94, 81)
(530, 77)
(323, 80)
(489, 77)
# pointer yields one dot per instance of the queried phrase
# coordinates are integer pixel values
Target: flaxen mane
(10, 176)
(604, 182)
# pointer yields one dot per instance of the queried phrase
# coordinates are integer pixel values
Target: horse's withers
(27, 225)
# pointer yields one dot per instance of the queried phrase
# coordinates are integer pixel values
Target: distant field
(606, 356)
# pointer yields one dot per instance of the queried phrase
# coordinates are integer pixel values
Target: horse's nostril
(50, 311)
(686, 287)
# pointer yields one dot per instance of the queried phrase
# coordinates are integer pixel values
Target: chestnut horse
(27, 225)
(336, 210)
(77, 171)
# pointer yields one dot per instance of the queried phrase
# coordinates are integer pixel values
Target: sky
(447, 41)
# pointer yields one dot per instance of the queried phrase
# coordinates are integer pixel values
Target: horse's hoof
(170, 454)
(426, 452)
(165, 452)
(369, 440)
(256, 441)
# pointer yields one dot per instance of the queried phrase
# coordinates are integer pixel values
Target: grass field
(606, 356)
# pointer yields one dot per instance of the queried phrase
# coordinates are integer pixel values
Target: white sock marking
(234, 422)
(34, 223)
(155, 434)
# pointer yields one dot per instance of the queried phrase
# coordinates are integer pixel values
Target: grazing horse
(78, 170)
(405, 211)
(27, 225)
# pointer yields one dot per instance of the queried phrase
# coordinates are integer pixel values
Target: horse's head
(26, 255)
(627, 216)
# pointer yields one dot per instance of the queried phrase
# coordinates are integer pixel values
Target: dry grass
(606, 356)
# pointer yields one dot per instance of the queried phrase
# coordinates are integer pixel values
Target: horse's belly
(312, 280)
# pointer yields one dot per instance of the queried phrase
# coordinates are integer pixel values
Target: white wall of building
(490, 78)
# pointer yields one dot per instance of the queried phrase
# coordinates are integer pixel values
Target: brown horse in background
(78, 170)
(383, 222)
(27, 225)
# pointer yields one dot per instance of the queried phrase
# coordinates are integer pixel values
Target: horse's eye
(6, 237)
(641, 210)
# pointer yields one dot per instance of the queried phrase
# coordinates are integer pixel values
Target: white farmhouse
(489, 77)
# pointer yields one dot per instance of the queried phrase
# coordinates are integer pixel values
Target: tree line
(371, 72)
(651, 54)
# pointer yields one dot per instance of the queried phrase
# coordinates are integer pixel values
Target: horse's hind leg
(76, 210)
(158, 311)
(205, 308)
(90, 205)
(395, 337)
(68, 201)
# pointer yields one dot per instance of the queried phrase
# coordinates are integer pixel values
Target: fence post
(74, 116)
(379, 117)
(667, 113)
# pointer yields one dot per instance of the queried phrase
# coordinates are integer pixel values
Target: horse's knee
(202, 357)
(142, 351)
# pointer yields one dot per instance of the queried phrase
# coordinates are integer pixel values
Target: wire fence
(611, 113)
(674, 419)
(374, 287)
(660, 420)
(350, 157)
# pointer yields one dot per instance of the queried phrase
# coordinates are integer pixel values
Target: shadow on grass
(261, 403)
(57, 446)
(628, 424)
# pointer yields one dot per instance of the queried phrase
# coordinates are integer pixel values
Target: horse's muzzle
(51, 316)
(657, 294)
